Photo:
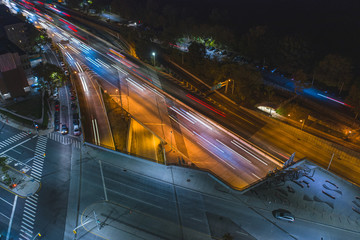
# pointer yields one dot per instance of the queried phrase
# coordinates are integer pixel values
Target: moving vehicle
(64, 129)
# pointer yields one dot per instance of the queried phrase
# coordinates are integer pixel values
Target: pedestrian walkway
(30, 207)
(64, 139)
(13, 139)
(28, 218)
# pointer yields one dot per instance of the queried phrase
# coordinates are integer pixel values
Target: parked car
(62, 64)
(64, 129)
(66, 73)
(57, 127)
(284, 215)
(77, 130)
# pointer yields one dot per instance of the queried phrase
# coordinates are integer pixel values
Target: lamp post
(154, 54)
(302, 125)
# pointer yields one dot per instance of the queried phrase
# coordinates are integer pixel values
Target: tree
(36, 38)
(50, 76)
(294, 53)
(334, 71)
(197, 51)
(269, 91)
(247, 82)
(252, 43)
(353, 98)
(4, 167)
(300, 80)
(227, 236)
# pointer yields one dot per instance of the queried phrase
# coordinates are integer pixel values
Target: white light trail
(61, 46)
(79, 67)
(208, 142)
(74, 49)
(135, 84)
(102, 63)
(216, 155)
(96, 132)
(69, 56)
(181, 114)
(239, 146)
(119, 69)
(93, 62)
(83, 82)
(241, 156)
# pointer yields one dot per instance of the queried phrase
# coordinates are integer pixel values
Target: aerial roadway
(191, 126)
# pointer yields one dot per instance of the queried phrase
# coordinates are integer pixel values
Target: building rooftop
(6, 46)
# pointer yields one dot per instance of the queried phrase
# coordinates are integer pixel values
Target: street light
(154, 54)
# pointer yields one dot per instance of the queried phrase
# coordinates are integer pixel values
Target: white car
(77, 130)
(66, 73)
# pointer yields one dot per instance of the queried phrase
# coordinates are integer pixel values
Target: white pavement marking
(27, 220)
(26, 232)
(4, 215)
(29, 214)
(28, 227)
(11, 218)
(29, 206)
(6, 201)
(24, 236)
(29, 210)
(102, 177)
(17, 145)
(28, 217)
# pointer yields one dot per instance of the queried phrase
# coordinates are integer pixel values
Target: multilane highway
(198, 139)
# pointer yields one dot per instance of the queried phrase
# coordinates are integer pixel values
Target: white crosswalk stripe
(13, 139)
(29, 212)
(57, 137)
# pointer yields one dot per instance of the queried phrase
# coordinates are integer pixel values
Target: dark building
(13, 28)
(13, 81)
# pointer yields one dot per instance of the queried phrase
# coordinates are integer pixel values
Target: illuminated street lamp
(154, 54)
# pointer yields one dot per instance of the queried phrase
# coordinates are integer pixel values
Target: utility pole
(121, 105)
(342, 85)
(98, 223)
(313, 78)
(233, 86)
(171, 140)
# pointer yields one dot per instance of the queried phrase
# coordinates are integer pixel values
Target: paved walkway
(25, 186)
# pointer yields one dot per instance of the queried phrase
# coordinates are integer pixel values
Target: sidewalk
(23, 127)
(24, 185)
(320, 197)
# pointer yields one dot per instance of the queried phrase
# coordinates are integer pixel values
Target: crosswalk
(29, 213)
(64, 139)
(13, 139)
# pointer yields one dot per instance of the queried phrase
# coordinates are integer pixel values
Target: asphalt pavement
(47, 161)
(121, 196)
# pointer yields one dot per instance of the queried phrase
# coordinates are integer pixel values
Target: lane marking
(11, 218)
(5, 201)
(103, 181)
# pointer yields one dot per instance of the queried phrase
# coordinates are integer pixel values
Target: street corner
(19, 183)
(105, 219)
